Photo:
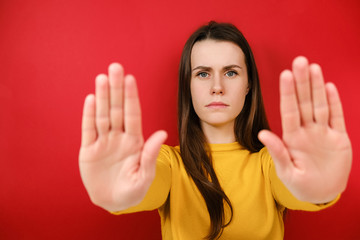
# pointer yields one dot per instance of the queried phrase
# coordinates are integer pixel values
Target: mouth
(217, 105)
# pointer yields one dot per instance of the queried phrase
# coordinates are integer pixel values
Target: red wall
(51, 51)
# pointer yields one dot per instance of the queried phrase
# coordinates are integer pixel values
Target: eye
(231, 73)
(202, 74)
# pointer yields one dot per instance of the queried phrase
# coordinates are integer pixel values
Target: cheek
(194, 95)
(197, 97)
(195, 101)
(239, 96)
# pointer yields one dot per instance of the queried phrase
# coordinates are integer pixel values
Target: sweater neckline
(220, 147)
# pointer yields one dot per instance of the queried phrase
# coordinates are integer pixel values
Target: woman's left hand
(313, 158)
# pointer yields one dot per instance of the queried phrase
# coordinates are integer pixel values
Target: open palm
(116, 166)
(313, 158)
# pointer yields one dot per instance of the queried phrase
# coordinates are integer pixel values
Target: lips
(217, 105)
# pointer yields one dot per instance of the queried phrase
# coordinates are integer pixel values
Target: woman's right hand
(116, 166)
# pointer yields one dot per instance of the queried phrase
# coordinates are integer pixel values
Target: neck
(219, 133)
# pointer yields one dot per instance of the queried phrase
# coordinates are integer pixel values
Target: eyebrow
(209, 68)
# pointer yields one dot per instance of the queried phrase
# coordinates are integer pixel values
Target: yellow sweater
(249, 180)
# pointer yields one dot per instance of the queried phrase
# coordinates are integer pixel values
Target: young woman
(221, 182)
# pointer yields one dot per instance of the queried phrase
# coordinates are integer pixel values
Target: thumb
(150, 152)
(277, 150)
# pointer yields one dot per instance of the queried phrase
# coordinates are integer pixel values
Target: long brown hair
(194, 149)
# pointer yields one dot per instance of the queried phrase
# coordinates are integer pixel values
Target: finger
(278, 152)
(320, 105)
(116, 81)
(290, 116)
(303, 90)
(88, 127)
(102, 104)
(150, 153)
(132, 111)
(337, 120)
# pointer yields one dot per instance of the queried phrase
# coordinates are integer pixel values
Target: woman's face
(219, 82)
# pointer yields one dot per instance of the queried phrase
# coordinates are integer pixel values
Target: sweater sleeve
(281, 194)
(160, 187)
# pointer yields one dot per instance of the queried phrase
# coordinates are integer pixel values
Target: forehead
(216, 53)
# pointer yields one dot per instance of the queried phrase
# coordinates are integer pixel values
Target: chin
(220, 122)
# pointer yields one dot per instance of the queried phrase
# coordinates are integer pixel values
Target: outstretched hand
(313, 158)
(116, 166)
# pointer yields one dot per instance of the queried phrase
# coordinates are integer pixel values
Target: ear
(247, 90)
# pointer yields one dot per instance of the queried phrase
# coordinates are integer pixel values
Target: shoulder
(167, 150)
(262, 155)
(169, 154)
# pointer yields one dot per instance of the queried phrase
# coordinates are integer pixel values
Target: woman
(220, 182)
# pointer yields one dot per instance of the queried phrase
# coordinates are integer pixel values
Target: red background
(51, 51)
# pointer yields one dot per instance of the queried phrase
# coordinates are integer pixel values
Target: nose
(217, 86)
